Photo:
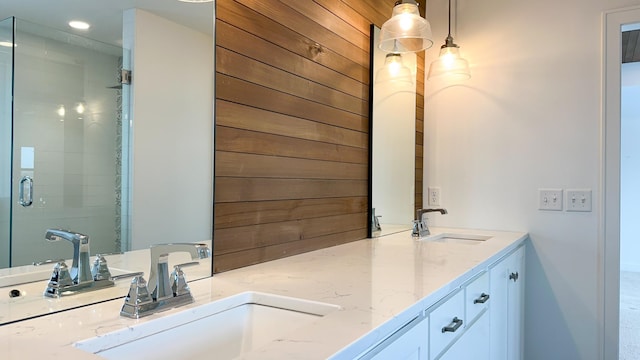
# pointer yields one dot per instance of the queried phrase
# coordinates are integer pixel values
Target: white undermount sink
(223, 329)
(467, 239)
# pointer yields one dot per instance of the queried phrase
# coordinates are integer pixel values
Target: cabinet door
(473, 344)
(515, 306)
(507, 305)
(446, 323)
(412, 345)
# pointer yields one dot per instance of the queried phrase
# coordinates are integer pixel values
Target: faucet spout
(421, 212)
(420, 227)
(159, 279)
(80, 268)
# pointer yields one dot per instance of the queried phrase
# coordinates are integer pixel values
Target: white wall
(630, 173)
(172, 130)
(528, 118)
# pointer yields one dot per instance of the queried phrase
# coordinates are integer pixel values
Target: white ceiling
(105, 16)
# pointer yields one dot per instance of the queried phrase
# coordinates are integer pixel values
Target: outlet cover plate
(579, 200)
(434, 196)
(550, 199)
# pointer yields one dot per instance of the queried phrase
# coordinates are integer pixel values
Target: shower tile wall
(75, 151)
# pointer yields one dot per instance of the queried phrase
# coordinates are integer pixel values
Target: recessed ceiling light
(6, 43)
(80, 25)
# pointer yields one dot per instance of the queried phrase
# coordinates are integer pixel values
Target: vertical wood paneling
(292, 99)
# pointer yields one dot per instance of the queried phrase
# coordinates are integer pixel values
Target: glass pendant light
(449, 64)
(394, 71)
(406, 30)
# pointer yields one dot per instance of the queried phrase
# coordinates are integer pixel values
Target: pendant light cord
(449, 18)
(449, 40)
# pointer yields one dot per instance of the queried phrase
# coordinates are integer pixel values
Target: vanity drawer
(446, 323)
(477, 296)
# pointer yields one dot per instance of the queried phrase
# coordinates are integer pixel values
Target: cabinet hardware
(482, 299)
(455, 324)
(514, 276)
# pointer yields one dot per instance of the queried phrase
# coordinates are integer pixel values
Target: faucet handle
(60, 276)
(59, 281)
(179, 282)
(100, 270)
(137, 300)
(138, 292)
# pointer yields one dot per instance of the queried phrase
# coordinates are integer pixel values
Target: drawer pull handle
(514, 276)
(455, 324)
(482, 299)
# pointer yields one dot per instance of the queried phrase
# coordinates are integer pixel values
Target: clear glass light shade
(394, 71)
(406, 30)
(450, 65)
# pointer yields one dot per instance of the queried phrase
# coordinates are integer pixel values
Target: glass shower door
(67, 143)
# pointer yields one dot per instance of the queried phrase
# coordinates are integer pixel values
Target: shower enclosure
(64, 140)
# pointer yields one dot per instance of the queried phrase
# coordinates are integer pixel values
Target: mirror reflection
(128, 164)
(65, 153)
(393, 140)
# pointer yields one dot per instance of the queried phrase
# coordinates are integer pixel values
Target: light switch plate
(579, 200)
(550, 199)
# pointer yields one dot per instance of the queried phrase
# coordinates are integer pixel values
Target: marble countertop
(378, 283)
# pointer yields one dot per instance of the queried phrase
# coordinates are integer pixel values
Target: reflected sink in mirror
(25, 277)
(235, 325)
(39, 274)
(453, 238)
(23, 298)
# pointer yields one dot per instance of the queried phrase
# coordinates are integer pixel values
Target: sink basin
(227, 328)
(466, 239)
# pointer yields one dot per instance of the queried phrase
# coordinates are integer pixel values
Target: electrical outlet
(434, 196)
(550, 199)
(579, 200)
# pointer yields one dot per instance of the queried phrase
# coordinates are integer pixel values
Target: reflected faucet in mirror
(80, 278)
(164, 291)
(420, 227)
(375, 223)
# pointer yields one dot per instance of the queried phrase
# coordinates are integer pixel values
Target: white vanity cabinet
(480, 320)
(507, 306)
(470, 341)
(408, 343)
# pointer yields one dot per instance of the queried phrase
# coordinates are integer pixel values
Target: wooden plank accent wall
(291, 135)
(420, 75)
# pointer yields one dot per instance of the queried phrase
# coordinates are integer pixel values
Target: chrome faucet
(159, 279)
(420, 227)
(164, 291)
(80, 267)
(81, 277)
